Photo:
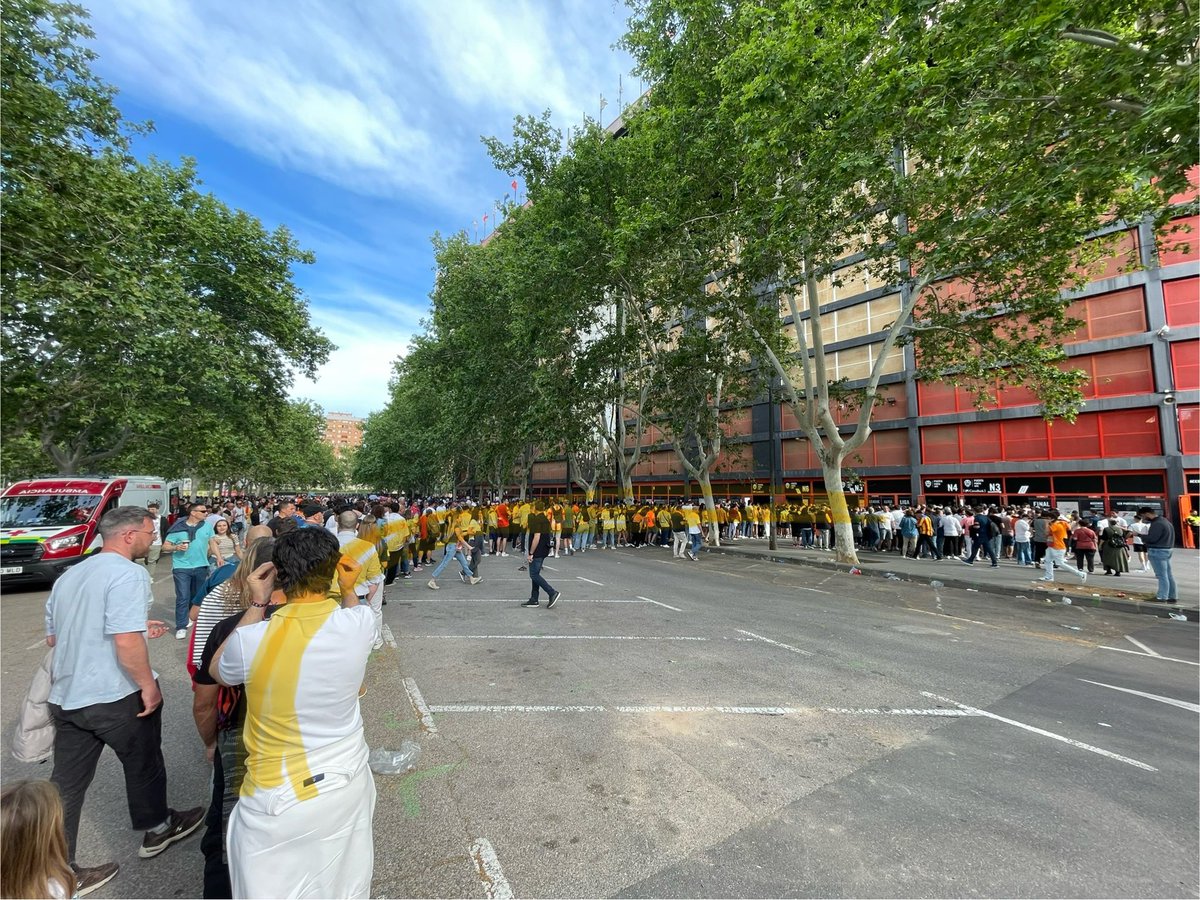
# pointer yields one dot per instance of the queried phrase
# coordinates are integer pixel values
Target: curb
(1118, 604)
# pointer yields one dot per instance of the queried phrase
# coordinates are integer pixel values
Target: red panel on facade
(1025, 439)
(1177, 244)
(1130, 432)
(1193, 177)
(1076, 440)
(939, 444)
(1182, 300)
(1122, 256)
(1189, 429)
(1117, 373)
(1185, 360)
(889, 448)
(981, 442)
(936, 398)
(1109, 315)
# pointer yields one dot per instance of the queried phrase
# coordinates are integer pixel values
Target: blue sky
(357, 124)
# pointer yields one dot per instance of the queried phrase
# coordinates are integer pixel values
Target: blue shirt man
(188, 539)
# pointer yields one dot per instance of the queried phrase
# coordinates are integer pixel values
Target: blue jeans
(694, 540)
(1160, 562)
(986, 547)
(187, 583)
(452, 552)
(1024, 553)
(537, 581)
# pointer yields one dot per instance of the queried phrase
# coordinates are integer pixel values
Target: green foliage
(141, 316)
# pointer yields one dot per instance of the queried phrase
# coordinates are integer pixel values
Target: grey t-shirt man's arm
(89, 605)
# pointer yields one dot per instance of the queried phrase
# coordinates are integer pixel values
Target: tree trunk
(705, 481)
(627, 485)
(839, 511)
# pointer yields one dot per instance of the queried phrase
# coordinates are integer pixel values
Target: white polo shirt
(301, 669)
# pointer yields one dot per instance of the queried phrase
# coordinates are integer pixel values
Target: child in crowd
(34, 842)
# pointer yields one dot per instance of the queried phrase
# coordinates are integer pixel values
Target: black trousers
(212, 844)
(393, 566)
(82, 734)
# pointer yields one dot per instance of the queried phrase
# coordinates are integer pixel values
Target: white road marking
(551, 568)
(41, 643)
(1151, 655)
(1141, 646)
(759, 637)
(937, 711)
(811, 590)
(388, 637)
(656, 603)
(549, 637)
(1050, 734)
(516, 600)
(588, 580)
(727, 710)
(501, 708)
(495, 885)
(1182, 704)
(418, 702)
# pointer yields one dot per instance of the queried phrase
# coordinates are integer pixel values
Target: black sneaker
(531, 604)
(89, 879)
(553, 599)
(182, 824)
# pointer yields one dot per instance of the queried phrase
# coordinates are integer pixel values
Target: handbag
(33, 739)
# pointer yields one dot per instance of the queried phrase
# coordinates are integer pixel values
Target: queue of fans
(283, 600)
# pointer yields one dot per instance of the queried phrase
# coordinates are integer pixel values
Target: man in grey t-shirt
(103, 692)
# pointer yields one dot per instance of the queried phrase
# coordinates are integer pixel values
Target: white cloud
(385, 99)
(355, 379)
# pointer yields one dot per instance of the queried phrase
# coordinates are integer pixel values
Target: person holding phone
(303, 823)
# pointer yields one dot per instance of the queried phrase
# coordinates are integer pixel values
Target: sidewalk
(1127, 593)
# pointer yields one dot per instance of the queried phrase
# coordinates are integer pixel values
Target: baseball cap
(311, 509)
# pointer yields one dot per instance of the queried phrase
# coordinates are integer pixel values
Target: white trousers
(281, 846)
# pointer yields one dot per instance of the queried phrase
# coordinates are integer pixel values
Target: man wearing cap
(312, 514)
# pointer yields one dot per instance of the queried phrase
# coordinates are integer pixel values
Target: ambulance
(49, 524)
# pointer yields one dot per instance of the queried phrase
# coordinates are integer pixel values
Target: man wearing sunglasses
(187, 541)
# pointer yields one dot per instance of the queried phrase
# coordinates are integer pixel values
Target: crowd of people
(282, 599)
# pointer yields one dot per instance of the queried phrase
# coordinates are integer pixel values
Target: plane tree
(961, 154)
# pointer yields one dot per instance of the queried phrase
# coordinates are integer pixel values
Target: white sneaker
(475, 579)
(432, 585)
(504, 554)
(180, 634)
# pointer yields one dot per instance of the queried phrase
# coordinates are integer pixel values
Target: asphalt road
(734, 728)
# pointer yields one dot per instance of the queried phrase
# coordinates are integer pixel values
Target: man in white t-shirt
(154, 551)
(303, 824)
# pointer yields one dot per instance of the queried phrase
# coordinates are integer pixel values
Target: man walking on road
(541, 541)
(155, 549)
(1159, 542)
(104, 693)
(188, 538)
(1056, 548)
(457, 544)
